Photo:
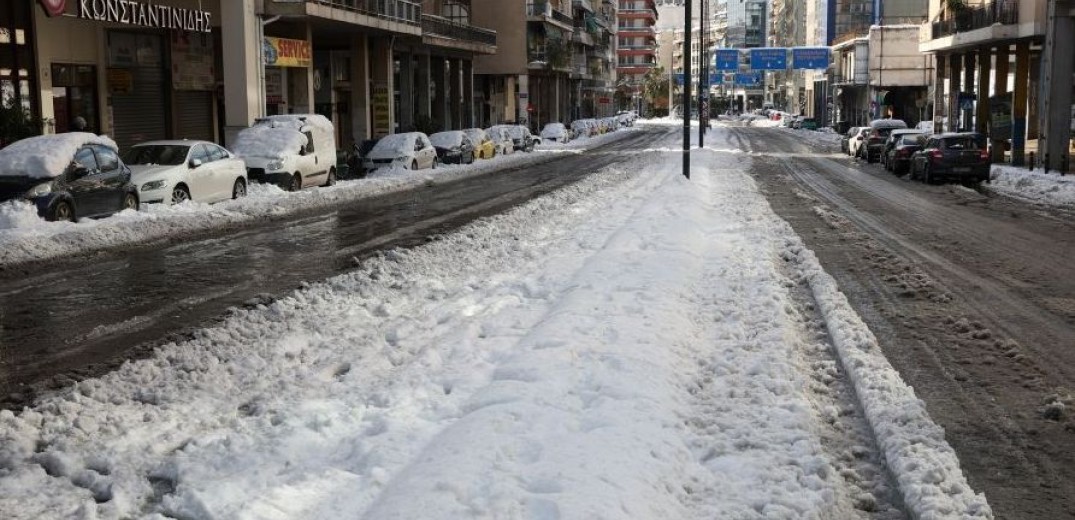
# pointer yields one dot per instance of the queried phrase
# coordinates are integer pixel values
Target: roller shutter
(139, 115)
(193, 114)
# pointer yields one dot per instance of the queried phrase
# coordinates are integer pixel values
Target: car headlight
(153, 185)
(41, 189)
(275, 165)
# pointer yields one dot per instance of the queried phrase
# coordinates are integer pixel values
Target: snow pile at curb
(24, 237)
(925, 466)
(1035, 186)
(823, 136)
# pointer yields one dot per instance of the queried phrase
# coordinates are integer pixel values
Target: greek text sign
(749, 79)
(810, 57)
(727, 59)
(771, 58)
(157, 16)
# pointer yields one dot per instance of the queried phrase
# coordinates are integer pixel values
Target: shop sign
(282, 52)
(120, 81)
(54, 7)
(604, 100)
(274, 86)
(1000, 111)
(381, 110)
(133, 12)
(193, 67)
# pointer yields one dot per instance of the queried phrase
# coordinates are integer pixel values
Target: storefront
(137, 71)
(18, 84)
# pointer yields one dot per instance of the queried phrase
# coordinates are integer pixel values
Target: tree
(655, 89)
(17, 123)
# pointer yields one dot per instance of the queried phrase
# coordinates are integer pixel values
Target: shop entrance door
(137, 87)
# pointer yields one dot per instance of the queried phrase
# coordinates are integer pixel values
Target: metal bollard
(1030, 163)
(1045, 164)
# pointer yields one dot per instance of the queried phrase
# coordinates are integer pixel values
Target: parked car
(807, 123)
(961, 156)
(501, 138)
(628, 117)
(789, 121)
(845, 142)
(482, 142)
(67, 176)
(172, 172)
(522, 139)
(453, 147)
(857, 144)
(925, 126)
(890, 143)
(899, 156)
(293, 151)
(411, 150)
(875, 141)
(584, 128)
(555, 132)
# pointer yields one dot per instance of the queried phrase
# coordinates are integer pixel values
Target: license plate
(961, 170)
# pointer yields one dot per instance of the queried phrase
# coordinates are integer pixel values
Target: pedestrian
(78, 124)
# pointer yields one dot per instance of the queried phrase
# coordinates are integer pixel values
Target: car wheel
(436, 162)
(239, 189)
(296, 183)
(62, 211)
(180, 194)
(331, 179)
(130, 201)
(414, 164)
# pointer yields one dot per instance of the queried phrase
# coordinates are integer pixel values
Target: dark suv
(875, 139)
(961, 156)
(67, 176)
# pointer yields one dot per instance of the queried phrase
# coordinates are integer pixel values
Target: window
(200, 153)
(84, 158)
(106, 158)
(74, 95)
(309, 142)
(217, 153)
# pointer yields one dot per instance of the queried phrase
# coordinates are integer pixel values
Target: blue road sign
(810, 58)
(769, 58)
(679, 79)
(748, 79)
(716, 79)
(727, 59)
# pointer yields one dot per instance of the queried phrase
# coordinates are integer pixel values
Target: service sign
(769, 58)
(727, 59)
(282, 52)
(810, 57)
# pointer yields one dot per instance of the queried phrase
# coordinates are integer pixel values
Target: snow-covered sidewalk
(633, 346)
(25, 237)
(1034, 186)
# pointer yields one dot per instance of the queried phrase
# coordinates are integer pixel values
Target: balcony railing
(544, 8)
(457, 31)
(583, 4)
(976, 17)
(396, 10)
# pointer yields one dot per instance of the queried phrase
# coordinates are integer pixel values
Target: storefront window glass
(16, 56)
(74, 95)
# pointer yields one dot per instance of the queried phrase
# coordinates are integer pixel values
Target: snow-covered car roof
(553, 126)
(888, 123)
(174, 142)
(297, 121)
(447, 139)
(46, 156)
(517, 131)
(268, 142)
(475, 134)
(395, 144)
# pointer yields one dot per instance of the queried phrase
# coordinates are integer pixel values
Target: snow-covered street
(632, 346)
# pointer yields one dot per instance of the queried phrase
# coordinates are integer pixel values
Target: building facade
(636, 49)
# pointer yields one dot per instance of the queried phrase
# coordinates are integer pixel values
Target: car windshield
(553, 128)
(156, 154)
(394, 144)
(476, 135)
(916, 139)
(446, 139)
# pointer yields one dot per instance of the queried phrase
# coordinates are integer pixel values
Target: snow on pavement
(1034, 186)
(631, 346)
(25, 237)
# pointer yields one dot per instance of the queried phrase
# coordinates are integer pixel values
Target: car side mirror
(194, 163)
(78, 171)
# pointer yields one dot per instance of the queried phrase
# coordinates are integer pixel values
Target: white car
(856, 145)
(173, 172)
(501, 136)
(411, 150)
(555, 132)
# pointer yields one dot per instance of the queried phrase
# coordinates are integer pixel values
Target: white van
(293, 151)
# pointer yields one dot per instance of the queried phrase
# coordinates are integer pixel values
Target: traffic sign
(769, 58)
(727, 59)
(810, 57)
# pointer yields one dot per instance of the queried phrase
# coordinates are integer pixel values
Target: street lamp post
(687, 90)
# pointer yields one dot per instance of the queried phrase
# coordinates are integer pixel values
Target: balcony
(637, 14)
(645, 30)
(976, 17)
(585, 5)
(988, 23)
(443, 32)
(402, 16)
(543, 11)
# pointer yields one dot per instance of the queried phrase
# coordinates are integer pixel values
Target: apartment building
(748, 23)
(636, 47)
(203, 69)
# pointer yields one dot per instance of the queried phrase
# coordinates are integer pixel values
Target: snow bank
(46, 156)
(25, 239)
(1034, 186)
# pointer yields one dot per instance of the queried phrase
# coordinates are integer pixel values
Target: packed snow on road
(634, 346)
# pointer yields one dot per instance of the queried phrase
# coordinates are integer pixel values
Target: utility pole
(703, 73)
(687, 89)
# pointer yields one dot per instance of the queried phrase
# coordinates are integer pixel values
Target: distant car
(875, 142)
(789, 121)
(961, 156)
(67, 176)
(899, 156)
(522, 139)
(845, 141)
(173, 172)
(555, 132)
(857, 144)
(890, 143)
(501, 138)
(453, 147)
(482, 142)
(411, 150)
(584, 127)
